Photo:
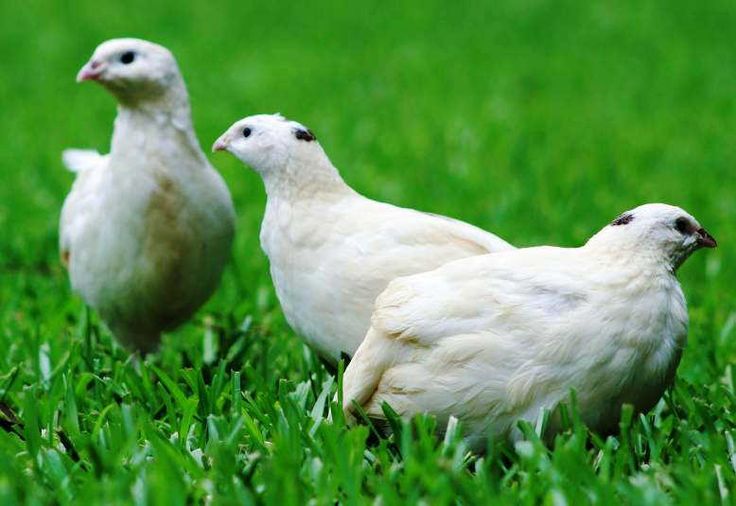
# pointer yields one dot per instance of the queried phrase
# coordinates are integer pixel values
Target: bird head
(269, 143)
(132, 69)
(663, 231)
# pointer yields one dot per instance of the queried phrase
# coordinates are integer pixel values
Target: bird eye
(247, 131)
(682, 225)
(127, 57)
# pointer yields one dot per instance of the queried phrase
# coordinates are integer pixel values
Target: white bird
(495, 339)
(331, 250)
(145, 231)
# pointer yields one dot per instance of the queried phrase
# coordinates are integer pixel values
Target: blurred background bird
(146, 230)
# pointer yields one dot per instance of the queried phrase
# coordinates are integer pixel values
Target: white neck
(164, 120)
(310, 178)
(633, 253)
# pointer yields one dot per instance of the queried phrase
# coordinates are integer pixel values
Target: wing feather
(470, 313)
(505, 291)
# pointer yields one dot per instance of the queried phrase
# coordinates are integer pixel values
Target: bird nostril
(94, 64)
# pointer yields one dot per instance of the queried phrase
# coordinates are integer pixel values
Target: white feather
(80, 160)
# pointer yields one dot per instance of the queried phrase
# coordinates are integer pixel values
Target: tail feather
(364, 373)
(80, 160)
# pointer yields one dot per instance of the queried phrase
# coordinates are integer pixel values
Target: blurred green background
(538, 120)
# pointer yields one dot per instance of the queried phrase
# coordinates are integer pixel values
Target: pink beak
(91, 71)
(220, 144)
(705, 239)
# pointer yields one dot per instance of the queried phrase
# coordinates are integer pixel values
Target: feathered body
(332, 250)
(497, 338)
(147, 229)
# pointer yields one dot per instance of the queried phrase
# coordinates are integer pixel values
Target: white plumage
(496, 338)
(332, 251)
(146, 230)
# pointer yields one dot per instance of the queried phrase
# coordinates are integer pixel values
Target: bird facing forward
(146, 230)
(497, 338)
(331, 250)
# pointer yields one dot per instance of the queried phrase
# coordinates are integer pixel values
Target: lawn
(538, 120)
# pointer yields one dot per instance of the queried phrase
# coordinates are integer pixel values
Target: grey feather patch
(304, 135)
(623, 219)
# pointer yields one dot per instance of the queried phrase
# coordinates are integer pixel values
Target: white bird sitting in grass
(146, 230)
(495, 339)
(332, 251)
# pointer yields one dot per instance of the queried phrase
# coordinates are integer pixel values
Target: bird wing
(498, 300)
(79, 204)
(397, 241)
(460, 231)
(357, 251)
(500, 290)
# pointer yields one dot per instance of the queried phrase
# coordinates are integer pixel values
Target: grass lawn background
(538, 120)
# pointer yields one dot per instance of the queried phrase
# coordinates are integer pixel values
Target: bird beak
(91, 71)
(705, 240)
(221, 144)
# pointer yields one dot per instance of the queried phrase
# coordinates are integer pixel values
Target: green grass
(538, 120)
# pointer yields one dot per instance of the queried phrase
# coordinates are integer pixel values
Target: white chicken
(495, 339)
(332, 250)
(145, 231)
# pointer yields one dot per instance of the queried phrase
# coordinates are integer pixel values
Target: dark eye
(682, 225)
(246, 132)
(127, 57)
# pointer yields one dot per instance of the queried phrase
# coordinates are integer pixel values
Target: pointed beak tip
(91, 71)
(219, 145)
(706, 240)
